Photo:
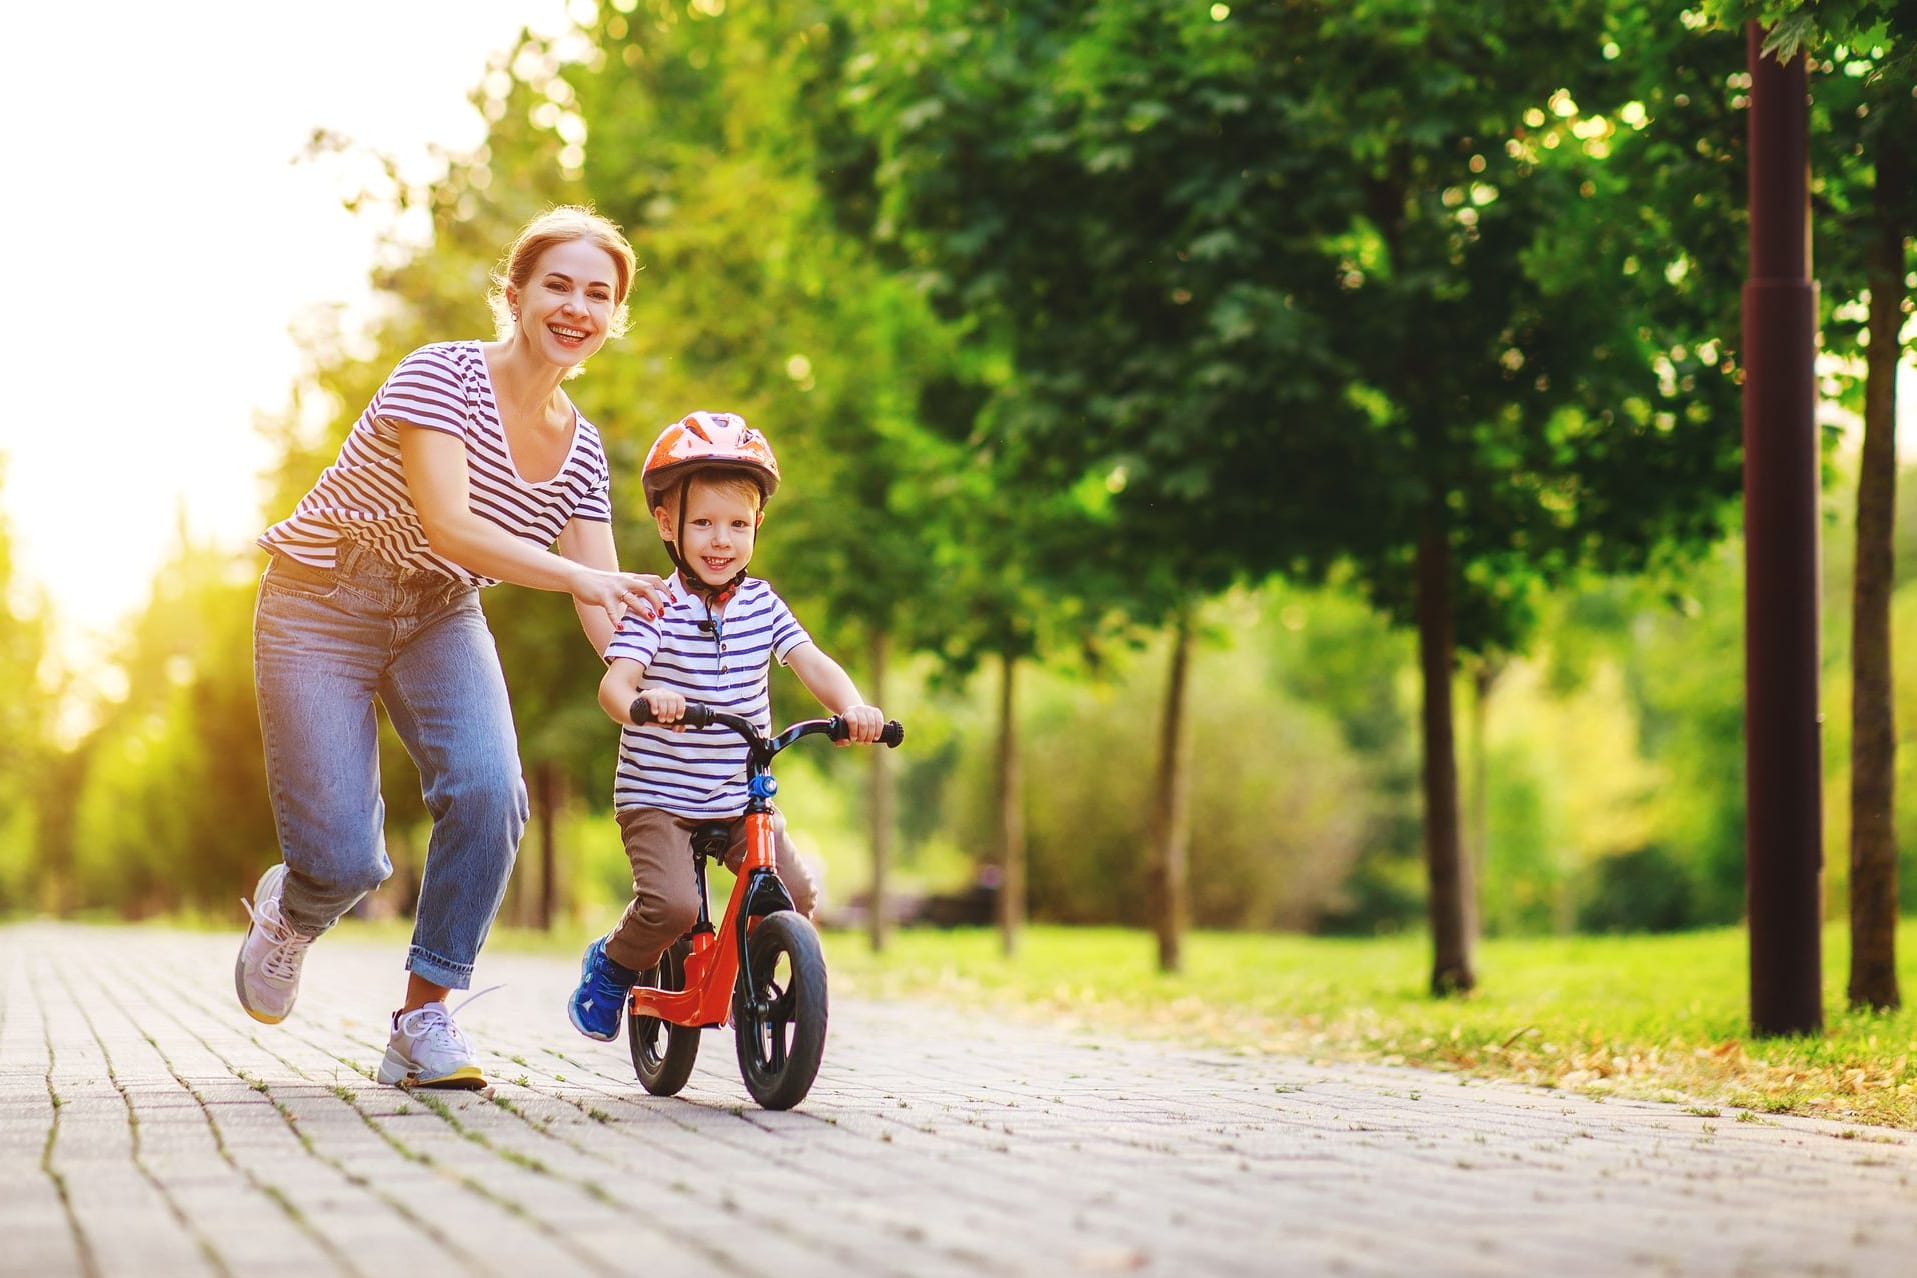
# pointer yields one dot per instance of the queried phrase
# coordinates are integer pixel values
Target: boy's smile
(721, 524)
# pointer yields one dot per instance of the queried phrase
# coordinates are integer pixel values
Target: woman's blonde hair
(561, 225)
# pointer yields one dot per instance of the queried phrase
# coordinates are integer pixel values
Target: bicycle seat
(712, 839)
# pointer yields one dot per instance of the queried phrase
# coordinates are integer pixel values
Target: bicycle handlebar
(700, 715)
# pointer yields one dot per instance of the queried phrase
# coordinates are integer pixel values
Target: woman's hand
(617, 593)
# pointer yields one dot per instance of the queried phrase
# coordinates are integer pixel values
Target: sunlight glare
(220, 241)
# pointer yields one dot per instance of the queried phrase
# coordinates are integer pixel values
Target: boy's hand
(668, 707)
(863, 724)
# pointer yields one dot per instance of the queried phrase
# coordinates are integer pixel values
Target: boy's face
(721, 524)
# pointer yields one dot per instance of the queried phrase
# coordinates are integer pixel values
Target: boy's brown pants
(665, 892)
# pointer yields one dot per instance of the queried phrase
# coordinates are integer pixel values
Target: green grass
(1658, 1017)
(1663, 1017)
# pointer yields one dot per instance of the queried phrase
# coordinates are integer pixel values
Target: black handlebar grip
(698, 714)
(891, 734)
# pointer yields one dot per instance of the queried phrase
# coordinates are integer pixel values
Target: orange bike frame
(712, 965)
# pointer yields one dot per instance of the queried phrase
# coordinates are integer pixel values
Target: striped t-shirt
(701, 772)
(362, 496)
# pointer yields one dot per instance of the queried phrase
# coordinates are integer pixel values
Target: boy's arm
(621, 685)
(827, 680)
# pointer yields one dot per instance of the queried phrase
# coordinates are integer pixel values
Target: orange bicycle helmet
(700, 441)
(706, 442)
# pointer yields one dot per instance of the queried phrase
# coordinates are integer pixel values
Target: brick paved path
(152, 1129)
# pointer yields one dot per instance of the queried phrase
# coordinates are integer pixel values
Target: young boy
(707, 479)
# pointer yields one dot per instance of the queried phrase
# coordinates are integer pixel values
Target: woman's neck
(526, 388)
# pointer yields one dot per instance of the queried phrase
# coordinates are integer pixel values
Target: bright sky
(160, 242)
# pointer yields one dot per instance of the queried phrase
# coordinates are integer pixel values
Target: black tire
(781, 1045)
(663, 1053)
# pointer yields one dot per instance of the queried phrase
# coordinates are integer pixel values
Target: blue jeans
(326, 643)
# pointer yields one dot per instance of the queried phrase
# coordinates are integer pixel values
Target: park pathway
(147, 1127)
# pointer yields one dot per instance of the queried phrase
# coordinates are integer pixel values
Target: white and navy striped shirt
(362, 496)
(701, 772)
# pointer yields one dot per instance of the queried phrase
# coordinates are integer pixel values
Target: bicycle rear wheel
(779, 1011)
(663, 1053)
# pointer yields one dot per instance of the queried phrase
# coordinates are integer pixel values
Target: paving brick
(189, 1139)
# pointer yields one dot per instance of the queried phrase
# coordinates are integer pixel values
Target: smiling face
(565, 310)
(721, 524)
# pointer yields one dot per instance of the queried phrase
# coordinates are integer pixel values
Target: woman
(469, 467)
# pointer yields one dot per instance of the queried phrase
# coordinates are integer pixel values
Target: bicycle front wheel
(779, 1010)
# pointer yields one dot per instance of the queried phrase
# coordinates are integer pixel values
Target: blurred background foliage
(1090, 335)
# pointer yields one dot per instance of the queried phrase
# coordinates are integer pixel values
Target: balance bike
(761, 969)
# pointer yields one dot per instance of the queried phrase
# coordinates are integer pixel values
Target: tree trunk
(1445, 868)
(1873, 742)
(55, 807)
(549, 795)
(1011, 812)
(1484, 678)
(516, 908)
(1170, 833)
(879, 760)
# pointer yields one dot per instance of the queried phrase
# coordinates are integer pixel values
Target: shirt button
(723, 670)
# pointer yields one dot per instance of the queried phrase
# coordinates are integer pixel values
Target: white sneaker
(427, 1050)
(267, 973)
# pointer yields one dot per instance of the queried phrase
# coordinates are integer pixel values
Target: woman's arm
(827, 680)
(436, 478)
(589, 542)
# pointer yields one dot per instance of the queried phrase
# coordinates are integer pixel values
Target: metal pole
(1783, 768)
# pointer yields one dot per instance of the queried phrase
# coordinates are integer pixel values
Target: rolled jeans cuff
(428, 966)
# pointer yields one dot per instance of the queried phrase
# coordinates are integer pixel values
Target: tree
(1551, 356)
(1873, 835)
(1386, 273)
(170, 810)
(27, 756)
(1867, 213)
(1023, 573)
(1027, 200)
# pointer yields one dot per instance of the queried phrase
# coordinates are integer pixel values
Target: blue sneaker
(599, 1002)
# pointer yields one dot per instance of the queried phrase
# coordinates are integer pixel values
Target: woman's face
(565, 310)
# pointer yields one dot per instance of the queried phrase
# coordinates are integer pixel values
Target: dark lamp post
(1783, 768)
